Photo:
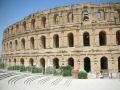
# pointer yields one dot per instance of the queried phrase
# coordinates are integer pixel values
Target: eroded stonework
(81, 35)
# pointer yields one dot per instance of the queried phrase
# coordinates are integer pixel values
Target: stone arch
(43, 41)
(56, 41)
(10, 45)
(119, 64)
(43, 22)
(12, 30)
(17, 27)
(33, 23)
(8, 31)
(31, 62)
(7, 47)
(85, 15)
(71, 62)
(86, 39)
(9, 62)
(23, 43)
(100, 15)
(16, 44)
(4, 47)
(70, 17)
(102, 38)
(21, 61)
(32, 45)
(24, 25)
(70, 40)
(118, 37)
(56, 19)
(104, 63)
(42, 62)
(117, 16)
(56, 63)
(15, 61)
(87, 64)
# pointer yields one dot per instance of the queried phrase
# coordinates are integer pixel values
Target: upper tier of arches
(79, 13)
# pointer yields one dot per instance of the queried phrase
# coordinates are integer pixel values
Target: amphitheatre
(80, 35)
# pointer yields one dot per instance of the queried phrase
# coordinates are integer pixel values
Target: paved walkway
(24, 81)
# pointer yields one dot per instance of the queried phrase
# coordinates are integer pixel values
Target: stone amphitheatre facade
(81, 35)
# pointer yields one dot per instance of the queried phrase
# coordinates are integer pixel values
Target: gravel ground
(27, 81)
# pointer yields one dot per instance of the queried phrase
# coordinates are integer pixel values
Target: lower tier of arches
(90, 63)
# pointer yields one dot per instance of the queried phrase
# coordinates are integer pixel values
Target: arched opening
(100, 15)
(71, 62)
(17, 27)
(4, 46)
(104, 63)
(8, 31)
(86, 39)
(44, 22)
(56, 19)
(7, 47)
(9, 62)
(10, 45)
(117, 16)
(31, 62)
(56, 63)
(43, 41)
(85, 15)
(102, 38)
(24, 25)
(21, 61)
(119, 64)
(70, 17)
(14, 61)
(16, 44)
(12, 30)
(42, 62)
(23, 43)
(32, 42)
(71, 40)
(118, 37)
(33, 23)
(87, 64)
(56, 41)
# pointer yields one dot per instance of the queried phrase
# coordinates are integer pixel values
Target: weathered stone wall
(63, 21)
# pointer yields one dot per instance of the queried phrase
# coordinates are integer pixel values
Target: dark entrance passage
(119, 64)
(86, 39)
(56, 63)
(56, 41)
(71, 40)
(104, 63)
(42, 62)
(22, 61)
(71, 62)
(102, 38)
(31, 62)
(87, 64)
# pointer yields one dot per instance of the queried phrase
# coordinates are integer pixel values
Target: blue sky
(12, 11)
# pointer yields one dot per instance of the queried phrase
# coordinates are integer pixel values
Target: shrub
(28, 68)
(57, 72)
(23, 68)
(36, 70)
(66, 70)
(82, 75)
(2, 65)
(49, 70)
(16, 67)
(10, 68)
